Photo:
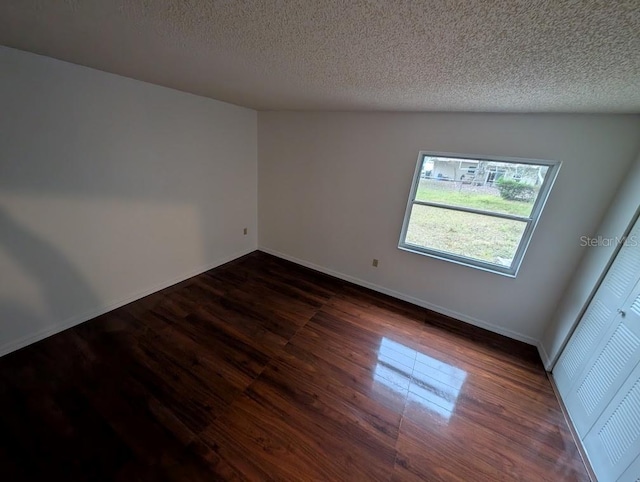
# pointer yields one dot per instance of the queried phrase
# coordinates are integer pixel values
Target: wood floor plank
(264, 370)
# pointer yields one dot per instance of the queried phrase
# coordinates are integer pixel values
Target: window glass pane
(502, 187)
(477, 236)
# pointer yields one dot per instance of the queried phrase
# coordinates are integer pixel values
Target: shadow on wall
(55, 274)
(111, 188)
(105, 237)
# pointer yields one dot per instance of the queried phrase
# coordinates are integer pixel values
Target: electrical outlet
(375, 263)
(245, 231)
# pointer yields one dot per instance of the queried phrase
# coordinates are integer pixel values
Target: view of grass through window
(476, 209)
(489, 239)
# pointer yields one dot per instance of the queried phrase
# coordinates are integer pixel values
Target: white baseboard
(546, 361)
(416, 301)
(76, 320)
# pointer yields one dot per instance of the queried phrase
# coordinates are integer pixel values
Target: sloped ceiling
(442, 55)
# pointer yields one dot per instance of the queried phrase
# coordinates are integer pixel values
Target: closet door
(613, 444)
(605, 346)
(632, 474)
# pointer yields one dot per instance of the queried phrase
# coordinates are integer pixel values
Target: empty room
(320, 240)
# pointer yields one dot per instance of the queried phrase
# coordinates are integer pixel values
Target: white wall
(593, 265)
(110, 189)
(333, 189)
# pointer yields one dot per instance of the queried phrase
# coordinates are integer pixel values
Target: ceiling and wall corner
(441, 55)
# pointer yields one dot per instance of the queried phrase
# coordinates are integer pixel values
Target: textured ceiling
(441, 55)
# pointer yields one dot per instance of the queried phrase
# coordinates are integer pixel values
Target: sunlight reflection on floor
(429, 381)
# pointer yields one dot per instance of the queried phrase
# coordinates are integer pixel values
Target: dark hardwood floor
(263, 370)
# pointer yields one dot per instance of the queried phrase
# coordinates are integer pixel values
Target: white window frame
(531, 220)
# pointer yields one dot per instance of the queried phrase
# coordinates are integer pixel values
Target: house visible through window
(478, 211)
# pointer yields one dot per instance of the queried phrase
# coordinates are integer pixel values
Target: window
(476, 211)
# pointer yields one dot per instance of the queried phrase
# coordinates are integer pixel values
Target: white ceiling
(441, 55)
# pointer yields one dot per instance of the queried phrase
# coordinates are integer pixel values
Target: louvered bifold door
(596, 360)
(632, 474)
(613, 443)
